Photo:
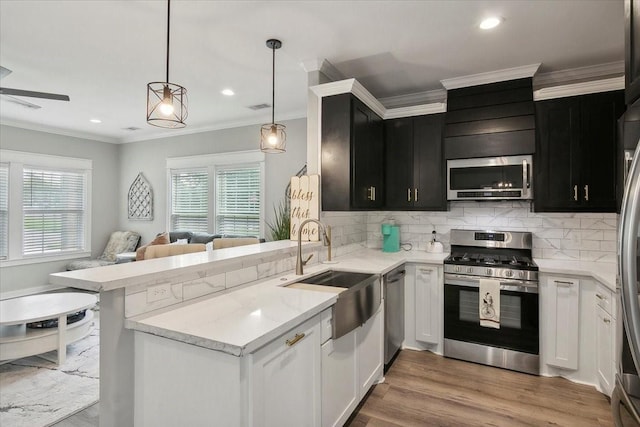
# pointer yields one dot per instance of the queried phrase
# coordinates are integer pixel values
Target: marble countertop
(604, 272)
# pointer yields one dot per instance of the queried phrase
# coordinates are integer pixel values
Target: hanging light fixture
(273, 138)
(166, 102)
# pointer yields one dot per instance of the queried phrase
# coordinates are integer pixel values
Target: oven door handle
(505, 284)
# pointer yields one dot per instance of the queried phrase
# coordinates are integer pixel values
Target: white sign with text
(305, 204)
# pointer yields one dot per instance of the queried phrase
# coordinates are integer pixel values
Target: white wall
(563, 236)
(105, 194)
(149, 157)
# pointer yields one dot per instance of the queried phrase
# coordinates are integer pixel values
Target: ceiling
(103, 53)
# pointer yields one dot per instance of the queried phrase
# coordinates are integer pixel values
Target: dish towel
(489, 303)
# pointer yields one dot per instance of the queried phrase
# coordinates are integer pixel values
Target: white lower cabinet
(286, 379)
(429, 305)
(605, 344)
(559, 313)
(339, 380)
(279, 385)
(606, 333)
(350, 366)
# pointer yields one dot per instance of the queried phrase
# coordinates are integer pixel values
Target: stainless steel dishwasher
(393, 283)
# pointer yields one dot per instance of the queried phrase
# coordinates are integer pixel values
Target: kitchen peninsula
(232, 303)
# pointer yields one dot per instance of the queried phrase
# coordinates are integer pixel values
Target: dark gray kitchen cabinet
(414, 170)
(576, 161)
(352, 155)
(632, 50)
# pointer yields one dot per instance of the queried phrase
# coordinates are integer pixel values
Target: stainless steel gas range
(491, 300)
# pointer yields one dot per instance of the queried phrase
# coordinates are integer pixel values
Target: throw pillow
(160, 239)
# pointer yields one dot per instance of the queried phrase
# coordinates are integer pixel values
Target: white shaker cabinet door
(428, 305)
(559, 314)
(339, 380)
(605, 345)
(370, 351)
(286, 379)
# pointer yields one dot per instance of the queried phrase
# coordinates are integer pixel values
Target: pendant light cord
(273, 84)
(168, 23)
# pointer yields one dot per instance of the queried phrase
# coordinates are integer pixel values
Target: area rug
(35, 392)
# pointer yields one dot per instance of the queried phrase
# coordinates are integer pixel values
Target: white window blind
(238, 200)
(54, 211)
(4, 210)
(189, 200)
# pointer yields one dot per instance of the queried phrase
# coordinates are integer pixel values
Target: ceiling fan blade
(4, 72)
(20, 102)
(20, 92)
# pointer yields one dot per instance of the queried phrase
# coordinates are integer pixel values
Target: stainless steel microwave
(490, 178)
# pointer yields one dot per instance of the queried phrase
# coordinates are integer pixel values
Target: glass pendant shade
(273, 138)
(166, 105)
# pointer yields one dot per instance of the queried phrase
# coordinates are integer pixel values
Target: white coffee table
(17, 341)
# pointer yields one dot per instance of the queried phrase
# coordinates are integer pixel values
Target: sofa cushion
(87, 263)
(120, 241)
(160, 239)
(174, 236)
(160, 251)
(234, 241)
(200, 237)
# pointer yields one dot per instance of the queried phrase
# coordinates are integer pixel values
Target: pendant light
(273, 138)
(166, 102)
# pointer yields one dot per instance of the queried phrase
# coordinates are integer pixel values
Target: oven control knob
(458, 269)
(489, 271)
(469, 269)
(508, 273)
(521, 274)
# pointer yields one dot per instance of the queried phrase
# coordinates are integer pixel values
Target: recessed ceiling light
(491, 22)
(95, 121)
(228, 92)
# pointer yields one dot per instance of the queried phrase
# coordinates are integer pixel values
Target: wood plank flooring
(424, 389)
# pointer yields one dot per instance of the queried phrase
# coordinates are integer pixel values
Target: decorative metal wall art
(140, 199)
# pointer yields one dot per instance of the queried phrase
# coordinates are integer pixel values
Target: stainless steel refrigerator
(625, 400)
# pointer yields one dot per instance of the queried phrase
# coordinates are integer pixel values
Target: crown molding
(311, 65)
(491, 77)
(365, 96)
(59, 131)
(583, 88)
(416, 110)
(333, 88)
(567, 76)
(419, 98)
(329, 70)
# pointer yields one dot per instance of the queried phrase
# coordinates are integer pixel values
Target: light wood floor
(424, 389)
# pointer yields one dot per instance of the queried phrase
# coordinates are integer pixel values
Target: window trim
(211, 162)
(17, 161)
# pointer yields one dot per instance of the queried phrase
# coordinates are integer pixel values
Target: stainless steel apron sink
(358, 301)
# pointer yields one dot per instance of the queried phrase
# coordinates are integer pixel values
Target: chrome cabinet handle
(415, 197)
(372, 193)
(607, 321)
(598, 296)
(408, 194)
(586, 192)
(295, 339)
(575, 193)
(563, 283)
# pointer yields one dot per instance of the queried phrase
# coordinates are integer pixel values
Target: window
(218, 193)
(238, 201)
(189, 200)
(44, 206)
(4, 210)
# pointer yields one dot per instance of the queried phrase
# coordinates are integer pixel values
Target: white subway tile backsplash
(239, 277)
(557, 235)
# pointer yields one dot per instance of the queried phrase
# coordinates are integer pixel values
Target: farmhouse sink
(358, 299)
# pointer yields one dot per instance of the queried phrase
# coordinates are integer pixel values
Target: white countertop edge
(232, 349)
(603, 272)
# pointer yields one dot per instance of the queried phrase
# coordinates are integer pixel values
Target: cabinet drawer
(605, 299)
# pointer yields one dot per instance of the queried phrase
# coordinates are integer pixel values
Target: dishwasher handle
(395, 277)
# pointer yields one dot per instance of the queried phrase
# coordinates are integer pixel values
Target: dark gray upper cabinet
(352, 155)
(414, 170)
(632, 50)
(496, 119)
(576, 154)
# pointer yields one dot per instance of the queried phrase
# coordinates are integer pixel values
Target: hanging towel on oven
(489, 303)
